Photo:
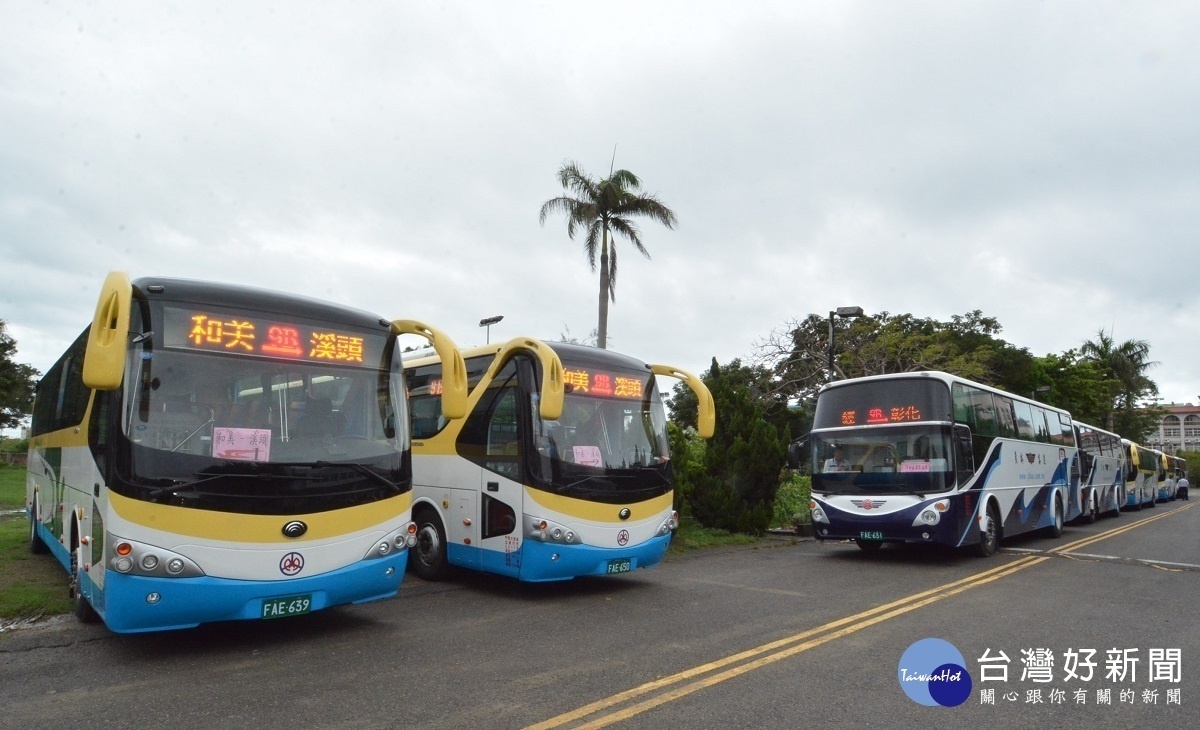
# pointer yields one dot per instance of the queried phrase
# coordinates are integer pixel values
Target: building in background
(1178, 430)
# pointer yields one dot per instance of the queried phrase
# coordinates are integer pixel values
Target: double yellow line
(697, 678)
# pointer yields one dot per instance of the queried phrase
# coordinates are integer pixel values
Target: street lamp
(844, 313)
(488, 322)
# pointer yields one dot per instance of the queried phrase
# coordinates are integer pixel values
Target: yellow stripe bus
(560, 468)
(206, 452)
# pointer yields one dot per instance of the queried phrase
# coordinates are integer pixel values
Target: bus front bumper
(131, 604)
(547, 561)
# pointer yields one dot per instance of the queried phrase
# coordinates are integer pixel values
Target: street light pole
(488, 322)
(845, 313)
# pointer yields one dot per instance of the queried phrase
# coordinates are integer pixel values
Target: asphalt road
(783, 634)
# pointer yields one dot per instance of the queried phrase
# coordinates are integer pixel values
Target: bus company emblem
(291, 564)
(1030, 457)
(624, 514)
(869, 503)
(623, 537)
(294, 529)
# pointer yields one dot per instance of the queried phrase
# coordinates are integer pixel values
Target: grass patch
(691, 536)
(29, 584)
(12, 487)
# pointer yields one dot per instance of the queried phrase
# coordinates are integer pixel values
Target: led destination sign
(584, 381)
(245, 334)
(873, 415)
(883, 402)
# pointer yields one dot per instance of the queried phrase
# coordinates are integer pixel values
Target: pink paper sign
(243, 444)
(914, 466)
(587, 455)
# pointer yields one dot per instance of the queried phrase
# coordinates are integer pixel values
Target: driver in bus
(838, 462)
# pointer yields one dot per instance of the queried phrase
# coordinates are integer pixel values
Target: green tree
(1073, 384)
(736, 488)
(604, 209)
(17, 382)
(1124, 366)
(967, 345)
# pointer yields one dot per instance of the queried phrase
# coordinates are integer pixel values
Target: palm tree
(1126, 365)
(605, 208)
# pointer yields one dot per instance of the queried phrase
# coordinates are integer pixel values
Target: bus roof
(266, 300)
(1097, 429)
(565, 351)
(940, 376)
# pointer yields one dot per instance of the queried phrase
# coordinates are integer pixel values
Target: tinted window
(1005, 423)
(1024, 418)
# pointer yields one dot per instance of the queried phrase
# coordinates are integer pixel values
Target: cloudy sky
(1034, 160)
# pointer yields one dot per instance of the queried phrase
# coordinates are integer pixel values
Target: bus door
(497, 448)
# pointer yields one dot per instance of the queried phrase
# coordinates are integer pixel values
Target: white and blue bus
(560, 468)
(1141, 475)
(1102, 472)
(206, 452)
(932, 458)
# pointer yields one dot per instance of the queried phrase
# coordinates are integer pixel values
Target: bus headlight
(543, 530)
(932, 514)
(138, 558)
(818, 515)
(398, 539)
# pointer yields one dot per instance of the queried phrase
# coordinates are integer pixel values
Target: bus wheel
(428, 557)
(870, 547)
(1056, 528)
(83, 610)
(36, 545)
(989, 538)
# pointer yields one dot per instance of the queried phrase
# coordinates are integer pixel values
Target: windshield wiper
(175, 489)
(361, 469)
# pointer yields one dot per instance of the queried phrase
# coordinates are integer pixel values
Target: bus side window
(1005, 424)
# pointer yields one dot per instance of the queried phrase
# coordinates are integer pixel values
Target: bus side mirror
(104, 359)
(793, 455)
(796, 451)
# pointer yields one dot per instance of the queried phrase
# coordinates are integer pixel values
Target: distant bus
(1179, 464)
(206, 452)
(932, 458)
(1141, 475)
(1167, 478)
(1102, 472)
(560, 469)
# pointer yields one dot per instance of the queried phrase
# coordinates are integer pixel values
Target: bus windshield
(610, 443)
(911, 459)
(191, 415)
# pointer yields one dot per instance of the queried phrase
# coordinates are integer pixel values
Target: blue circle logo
(933, 672)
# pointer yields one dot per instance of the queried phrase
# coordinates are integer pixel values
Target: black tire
(1092, 510)
(1056, 528)
(428, 557)
(83, 610)
(989, 539)
(37, 546)
(870, 547)
(1153, 503)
